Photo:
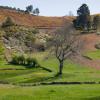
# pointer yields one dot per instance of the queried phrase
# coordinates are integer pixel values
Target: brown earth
(21, 18)
(87, 62)
(90, 41)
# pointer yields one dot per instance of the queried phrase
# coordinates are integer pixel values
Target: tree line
(86, 22)
(29, 9)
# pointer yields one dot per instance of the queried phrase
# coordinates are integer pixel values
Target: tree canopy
(83, 17)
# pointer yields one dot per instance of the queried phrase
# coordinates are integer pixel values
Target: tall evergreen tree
(83, 18)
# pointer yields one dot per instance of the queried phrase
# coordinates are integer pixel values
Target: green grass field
(72, 72)
(93, 54)
(60, 92)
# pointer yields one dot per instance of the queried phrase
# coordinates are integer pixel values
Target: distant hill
(20, 18)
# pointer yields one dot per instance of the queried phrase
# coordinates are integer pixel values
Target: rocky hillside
(21, 36)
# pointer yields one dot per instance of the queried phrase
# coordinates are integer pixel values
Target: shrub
(8, 22)
(15, 60)
(18, 60)
(32, 62)
(28, 62)
(21, 60)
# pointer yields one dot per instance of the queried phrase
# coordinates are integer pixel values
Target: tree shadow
(93, 98)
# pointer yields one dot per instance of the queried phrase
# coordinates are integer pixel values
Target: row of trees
(85, 21)
(12, 8)
(29, 9)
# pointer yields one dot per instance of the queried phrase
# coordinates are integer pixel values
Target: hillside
(29, 69)
(31, 20)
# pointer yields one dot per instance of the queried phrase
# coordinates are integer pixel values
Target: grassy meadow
(56, 92)
(93, 54)
(14, 77)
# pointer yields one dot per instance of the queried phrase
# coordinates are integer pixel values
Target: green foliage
(15, 60)
(29, 9)
(36, 11)
(32, 62)
(1, 49)
(22, 60)
(83, 20)
(8, 22)
(18, 60)
(72, 72)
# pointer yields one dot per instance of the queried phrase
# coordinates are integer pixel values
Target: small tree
(36, 11)
(29, 9)
(8, 22)
(64, 44)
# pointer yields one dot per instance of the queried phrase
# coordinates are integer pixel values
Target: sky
(54, 7)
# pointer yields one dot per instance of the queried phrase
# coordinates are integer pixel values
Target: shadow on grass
(93, 98)
(27, 67)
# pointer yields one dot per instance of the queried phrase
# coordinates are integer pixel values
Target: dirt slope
(30, 20)
(90, 40)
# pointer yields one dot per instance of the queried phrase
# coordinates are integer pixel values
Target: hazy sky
(54, 7)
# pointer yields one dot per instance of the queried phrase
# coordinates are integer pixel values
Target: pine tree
(83, 18)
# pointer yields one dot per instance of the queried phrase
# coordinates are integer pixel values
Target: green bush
(8, 22)
(15, 60)
(32, 62)
(21, 60)
(18, 60)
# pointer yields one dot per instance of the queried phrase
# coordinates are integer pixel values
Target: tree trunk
(60, 67)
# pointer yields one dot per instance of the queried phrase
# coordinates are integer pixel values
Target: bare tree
(64, 44)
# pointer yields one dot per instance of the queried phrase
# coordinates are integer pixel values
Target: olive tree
(64, 44)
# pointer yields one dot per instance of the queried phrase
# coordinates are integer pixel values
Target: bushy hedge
(22, 60)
